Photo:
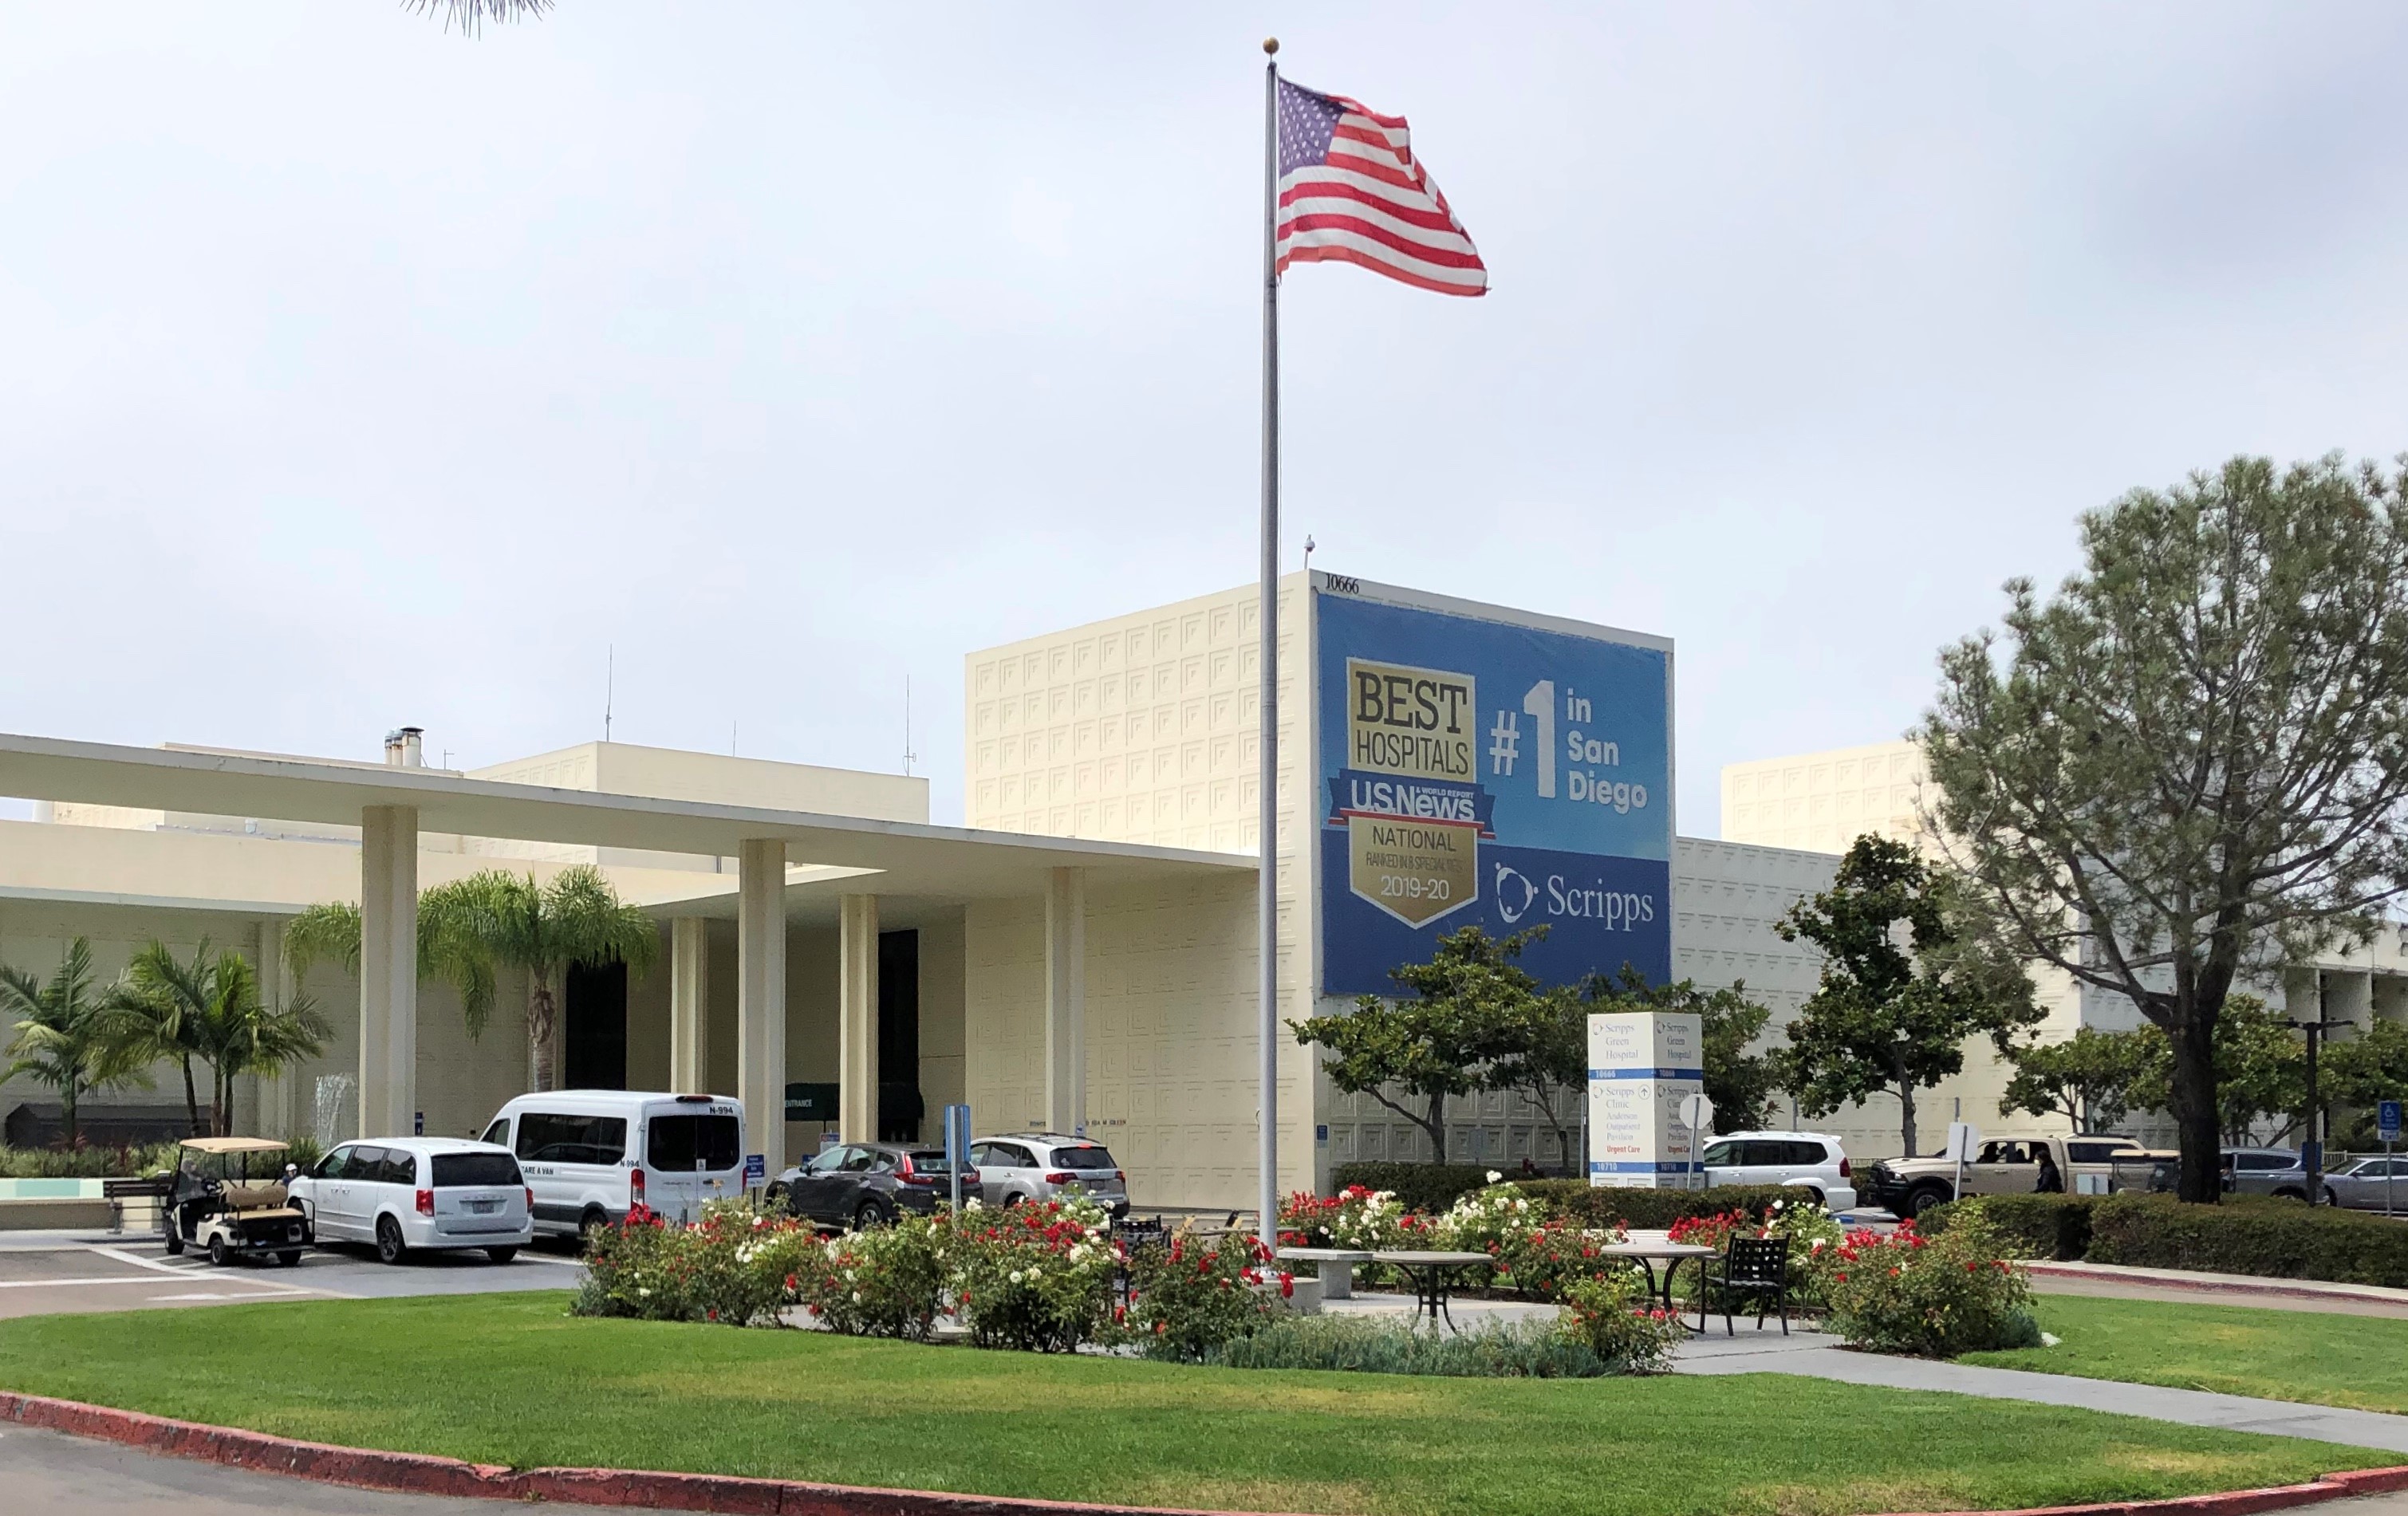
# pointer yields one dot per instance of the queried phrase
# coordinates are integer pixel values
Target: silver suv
(1047, 1165)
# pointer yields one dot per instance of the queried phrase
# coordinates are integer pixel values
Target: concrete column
(760, 997)
(388, 970)
(857, 1103)
(1066, 1000)
(690, 1006)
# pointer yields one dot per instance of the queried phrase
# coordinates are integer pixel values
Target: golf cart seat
(254, 1197)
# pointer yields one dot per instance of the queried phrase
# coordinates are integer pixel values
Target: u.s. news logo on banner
(1483, 772)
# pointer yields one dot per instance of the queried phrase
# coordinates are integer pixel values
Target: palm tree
(472, 928)
(210, 1008)
(496, 920)
(63, 1040)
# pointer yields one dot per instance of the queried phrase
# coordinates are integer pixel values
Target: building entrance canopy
(848, 862)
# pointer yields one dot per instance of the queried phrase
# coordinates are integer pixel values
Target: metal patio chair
(1756, 1267)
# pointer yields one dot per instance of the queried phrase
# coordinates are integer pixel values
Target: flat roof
(914, 858)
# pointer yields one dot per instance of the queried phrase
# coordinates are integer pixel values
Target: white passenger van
(591, 1155)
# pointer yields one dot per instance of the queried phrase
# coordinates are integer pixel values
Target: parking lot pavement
(64, 1476)
(50, 1272)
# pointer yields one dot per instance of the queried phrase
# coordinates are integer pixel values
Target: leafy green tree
(1905, 983)
(1471, 1008)
(2261, 1072)
(2087, 1079)
(2192, 764)
(472, 928)
(2362, 1070)
(209, 1010)
(61, 1038)
(1738, 1082)
(1545, 1059)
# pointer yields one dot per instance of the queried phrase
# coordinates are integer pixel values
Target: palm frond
(471, 15)
(329, 931)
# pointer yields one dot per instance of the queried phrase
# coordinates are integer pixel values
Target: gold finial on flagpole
(1270, 45)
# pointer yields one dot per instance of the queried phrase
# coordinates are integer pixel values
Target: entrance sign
(1643, 1067)
(1481, 769)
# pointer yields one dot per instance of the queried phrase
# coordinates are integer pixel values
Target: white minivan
(591, 1155)
(412, 1195)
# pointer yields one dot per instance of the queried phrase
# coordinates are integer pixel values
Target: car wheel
(593, 1224)
(2290, 1192)
(2331, 1199)
(290, 1257)
(870, 1214)
(1927, 1196)
(218, 1254)
(390, 1248)
(175, 1242)
(1816, 1196)
(1012, 1200)
(501, 1255)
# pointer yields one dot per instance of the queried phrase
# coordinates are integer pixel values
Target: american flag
(1349, 189)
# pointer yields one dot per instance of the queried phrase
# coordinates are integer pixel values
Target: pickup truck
(2011, 1165)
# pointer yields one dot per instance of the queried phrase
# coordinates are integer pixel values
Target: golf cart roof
(234, 1144)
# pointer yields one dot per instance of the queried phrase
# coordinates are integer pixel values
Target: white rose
(1494, 1176)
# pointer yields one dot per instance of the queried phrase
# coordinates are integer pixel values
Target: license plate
(483, 1208)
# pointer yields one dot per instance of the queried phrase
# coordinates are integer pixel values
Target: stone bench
(1337, 1268)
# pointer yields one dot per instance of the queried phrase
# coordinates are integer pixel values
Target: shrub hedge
(2054, 1226)
(1577, 1201)
(2274, 1239)
(1430, 1188)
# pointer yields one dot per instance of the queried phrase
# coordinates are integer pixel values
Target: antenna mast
(908, 754)
(609, 686)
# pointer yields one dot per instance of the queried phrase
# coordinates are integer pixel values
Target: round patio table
(1432, 1274)
(1648, 1249)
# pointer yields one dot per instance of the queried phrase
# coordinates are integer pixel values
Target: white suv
(1808, 1159)
(1047, 1165)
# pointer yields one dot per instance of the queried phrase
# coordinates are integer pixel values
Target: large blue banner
(1488, 773)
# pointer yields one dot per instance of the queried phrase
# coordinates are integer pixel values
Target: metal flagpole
(1266, 881)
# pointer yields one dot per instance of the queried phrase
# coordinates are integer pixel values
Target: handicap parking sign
(756, 1168)
(2386, 1120)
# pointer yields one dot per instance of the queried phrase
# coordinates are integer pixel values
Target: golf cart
(228, 1197)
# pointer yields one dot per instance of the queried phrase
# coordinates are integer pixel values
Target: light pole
(2312, 1149)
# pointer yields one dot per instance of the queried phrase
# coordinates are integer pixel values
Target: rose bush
(737, 1266)
(885, 1281)
(1934, 1297)
(1354, 1216)
(1614, 1317)
(1036, 1277)
(1199, 1294)
(1537, 1255)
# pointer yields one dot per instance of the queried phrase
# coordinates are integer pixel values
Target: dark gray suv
(866, 1183)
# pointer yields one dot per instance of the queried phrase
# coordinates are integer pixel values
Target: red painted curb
(416, 1473)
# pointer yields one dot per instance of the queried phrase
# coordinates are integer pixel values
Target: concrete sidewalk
(1819, 1355)
(2187, 1286)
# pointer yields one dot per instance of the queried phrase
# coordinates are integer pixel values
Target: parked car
(227, 1197)
(1047, 1165)
(591, 1155)
(413, 1195)
(2369, 1184)
(1808, 1161)
(2265, 1171)
(2020, 1163)
(869, 1183)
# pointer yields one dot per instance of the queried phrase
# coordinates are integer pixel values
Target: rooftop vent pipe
(405, 747)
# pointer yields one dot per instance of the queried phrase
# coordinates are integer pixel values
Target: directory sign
(1643, 1067)
(1480, 769)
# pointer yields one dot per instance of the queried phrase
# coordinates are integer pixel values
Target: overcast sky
(354, 374)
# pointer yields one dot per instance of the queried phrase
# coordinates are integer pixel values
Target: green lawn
(509, 1379)
(2321, 1358)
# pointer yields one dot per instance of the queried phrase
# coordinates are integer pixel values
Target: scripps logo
(1514, 894)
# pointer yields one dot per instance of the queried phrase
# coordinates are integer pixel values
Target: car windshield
(1087, 1159)
(457, 1170)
